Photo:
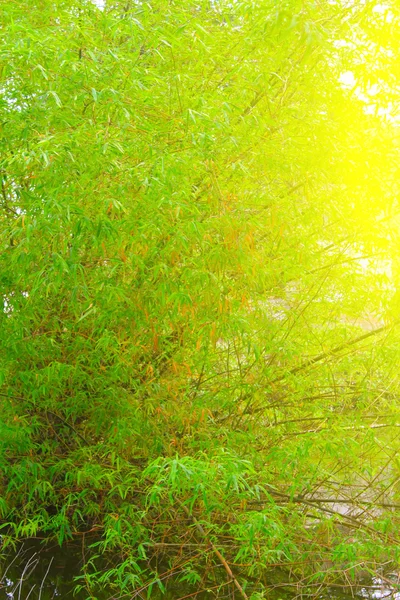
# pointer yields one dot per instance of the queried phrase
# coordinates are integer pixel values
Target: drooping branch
(316, 359)
(333, 351)
(50, 412)
(203, 534)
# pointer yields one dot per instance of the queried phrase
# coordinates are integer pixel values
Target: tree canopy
(199, 267)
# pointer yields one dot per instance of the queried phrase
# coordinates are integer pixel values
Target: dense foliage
(199, 261)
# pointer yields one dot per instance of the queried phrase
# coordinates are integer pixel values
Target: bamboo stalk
(227, 568)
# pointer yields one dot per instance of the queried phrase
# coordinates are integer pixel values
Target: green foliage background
(199, 267)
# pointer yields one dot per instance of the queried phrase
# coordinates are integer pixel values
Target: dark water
(47, 572)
